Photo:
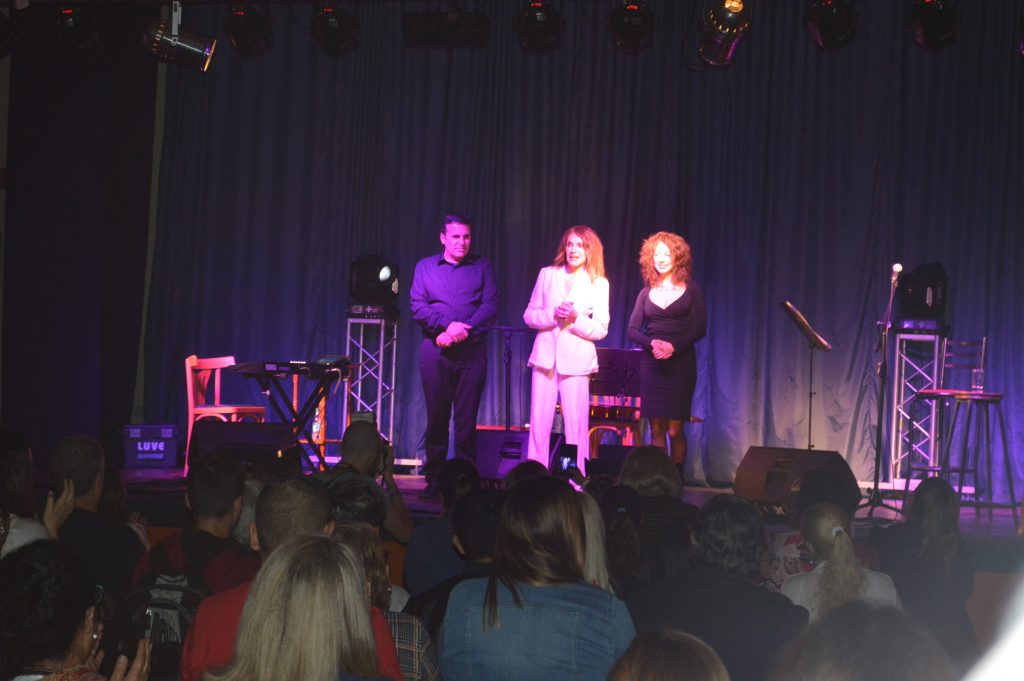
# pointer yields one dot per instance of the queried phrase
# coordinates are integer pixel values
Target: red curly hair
(682, 260)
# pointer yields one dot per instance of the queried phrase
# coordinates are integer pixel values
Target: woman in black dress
(667, 320)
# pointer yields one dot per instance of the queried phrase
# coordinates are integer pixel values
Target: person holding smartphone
(569, 309)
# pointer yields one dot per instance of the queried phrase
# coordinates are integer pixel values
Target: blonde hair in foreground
(307, 617)
(827, 527)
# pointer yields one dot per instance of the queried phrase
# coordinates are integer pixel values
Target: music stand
(616, 370)
(506, 358)
(616, 377)
(816, 342)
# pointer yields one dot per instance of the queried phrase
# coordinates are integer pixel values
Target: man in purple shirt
(454, 300)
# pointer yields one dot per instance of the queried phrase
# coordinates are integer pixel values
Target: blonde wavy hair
(307, 617)
(827, 527)
(682, 259)
(591, 244)
(366, 543)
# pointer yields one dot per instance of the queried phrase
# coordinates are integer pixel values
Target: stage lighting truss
(248, 30)
(165, 39)
(539, 27)
(932, 22)
(725, 24)
(335, 31)
(831, 23)
(632, 25)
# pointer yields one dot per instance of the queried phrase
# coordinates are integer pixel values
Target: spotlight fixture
(632, 24)
(932, 22)
(76, 27)
(248, 30)
(335, 31)
(539, 27)
(164, 39)
(373, 286)
(831, 23)
(725, 24)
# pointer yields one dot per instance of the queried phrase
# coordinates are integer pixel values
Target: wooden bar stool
(977, 406)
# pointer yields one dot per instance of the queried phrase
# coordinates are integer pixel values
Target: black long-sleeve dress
(667, 385)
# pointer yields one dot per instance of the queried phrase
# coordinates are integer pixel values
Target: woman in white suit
(569, 309)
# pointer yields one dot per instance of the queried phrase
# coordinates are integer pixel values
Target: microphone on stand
(896, 269)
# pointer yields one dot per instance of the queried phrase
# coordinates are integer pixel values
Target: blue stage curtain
(793, 174)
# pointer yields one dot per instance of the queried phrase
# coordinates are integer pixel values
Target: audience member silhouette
(672, 549)
(475, 522)
(521, 472)
(534, 617)
(51, 629)
(932, 567)
(18, 524)
(839, 576)
(366, 454)
(207, 553)
(431, 558)
(650, 471)
(307, 617)
(114, 505)
(788, 552)
(668, 656)
(595, 562)
(745, 624)
(286, 508)
(108, 548)
(863, 642)
(416, 653)
(620, 507)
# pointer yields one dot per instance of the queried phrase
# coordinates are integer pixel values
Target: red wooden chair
(197, 380)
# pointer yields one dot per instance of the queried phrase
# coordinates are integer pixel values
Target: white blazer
(567, 347)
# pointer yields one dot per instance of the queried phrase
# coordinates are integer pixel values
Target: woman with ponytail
(839, 576)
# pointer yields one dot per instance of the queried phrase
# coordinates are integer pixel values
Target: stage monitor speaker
(773, 475)
(257, 446)
(499, 451)
(609, 460)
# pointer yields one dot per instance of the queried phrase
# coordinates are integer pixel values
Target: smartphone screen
(565, 460)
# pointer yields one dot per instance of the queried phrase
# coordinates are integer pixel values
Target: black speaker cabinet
(499, 451)
(773, 475)
(254, 445)
(608, 461)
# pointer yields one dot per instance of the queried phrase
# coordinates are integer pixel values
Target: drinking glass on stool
(978, 380)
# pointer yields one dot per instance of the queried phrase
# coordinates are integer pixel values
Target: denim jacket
(564, 632)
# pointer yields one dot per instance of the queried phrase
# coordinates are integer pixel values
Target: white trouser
(574, 391)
